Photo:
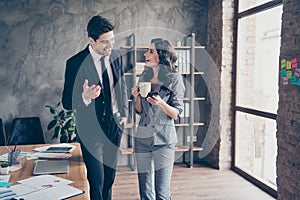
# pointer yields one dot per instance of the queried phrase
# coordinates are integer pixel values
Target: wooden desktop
(77, 170)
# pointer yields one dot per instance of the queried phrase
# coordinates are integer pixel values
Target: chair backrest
(2, 134)
(26, 130)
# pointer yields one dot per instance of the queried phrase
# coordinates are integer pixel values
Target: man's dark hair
(97, 26)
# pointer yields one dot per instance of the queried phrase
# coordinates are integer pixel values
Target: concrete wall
(38, 36)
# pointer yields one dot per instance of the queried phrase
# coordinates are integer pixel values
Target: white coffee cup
(145, 88)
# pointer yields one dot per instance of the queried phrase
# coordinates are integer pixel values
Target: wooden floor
(198, 183)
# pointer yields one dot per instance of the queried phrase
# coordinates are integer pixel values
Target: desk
(77, 170)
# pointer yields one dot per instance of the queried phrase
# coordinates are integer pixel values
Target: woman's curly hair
(167, 58)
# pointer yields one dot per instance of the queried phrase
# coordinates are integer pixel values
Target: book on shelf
(186, 113)
(184, 116)
(187, 61)
(139, 68)
(183, 60)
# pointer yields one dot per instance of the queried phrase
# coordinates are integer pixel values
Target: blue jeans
(155, 166)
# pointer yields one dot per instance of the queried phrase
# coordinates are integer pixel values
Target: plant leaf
(70, 112)
(71, 129)
(69, 124)
(51, 124)
(58, 104)
(57, 131)
(52, 109)
(61, 114)
(64, 138)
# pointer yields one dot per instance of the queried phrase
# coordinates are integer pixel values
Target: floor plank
(198, 183)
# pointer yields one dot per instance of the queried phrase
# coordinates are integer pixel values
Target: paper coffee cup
(145, 88)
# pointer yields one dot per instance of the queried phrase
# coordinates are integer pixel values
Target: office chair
(2, 134)
(26, 130)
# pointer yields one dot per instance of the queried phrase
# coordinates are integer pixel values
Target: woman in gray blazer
(156, 137)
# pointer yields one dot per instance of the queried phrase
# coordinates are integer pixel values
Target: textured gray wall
(38, 36)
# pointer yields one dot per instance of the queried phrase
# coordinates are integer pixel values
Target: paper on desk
(50, 193)
(43, 181)
(21, 189)
(4, 181)
(44, 148)
(4, 178)
(46, 187)
(5, 184)
(4, 157)
(56, 192)
(14, 168)
(51, 155)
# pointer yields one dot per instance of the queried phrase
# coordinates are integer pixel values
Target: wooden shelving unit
(188, 147)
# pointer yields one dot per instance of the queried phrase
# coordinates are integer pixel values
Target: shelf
(194, 124)
(182, 73)
(184, 99)
(129, 151)
(188, 47)
(188, 73)
(176, 47)
(187, 148)
(130, 125)
(195, 99)
(130, 74)
(198, 124)
(126, 151)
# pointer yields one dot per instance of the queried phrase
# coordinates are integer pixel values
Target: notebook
(58, 150)
(51, 167)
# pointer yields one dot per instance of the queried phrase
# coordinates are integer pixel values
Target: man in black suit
(95, 87)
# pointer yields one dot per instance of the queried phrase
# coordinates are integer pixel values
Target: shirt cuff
(86, 101)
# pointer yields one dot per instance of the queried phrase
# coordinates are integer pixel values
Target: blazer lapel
(114, 68)
(91, 72)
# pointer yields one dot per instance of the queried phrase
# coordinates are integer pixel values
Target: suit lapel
(114, 68)
(91, 71)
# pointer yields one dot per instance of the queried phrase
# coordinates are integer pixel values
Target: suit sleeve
(72, 92)
(68, 87)
(124, 100)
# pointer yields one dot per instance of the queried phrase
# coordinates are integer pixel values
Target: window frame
(235, 108)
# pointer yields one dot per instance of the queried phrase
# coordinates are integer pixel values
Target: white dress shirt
(96, 58)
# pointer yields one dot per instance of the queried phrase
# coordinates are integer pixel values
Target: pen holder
(14, 158)
(4, 170)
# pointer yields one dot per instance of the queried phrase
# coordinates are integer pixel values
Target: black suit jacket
(88, 118)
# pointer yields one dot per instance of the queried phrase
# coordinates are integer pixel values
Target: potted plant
(4, 168)
(63, 123)
(178, 42)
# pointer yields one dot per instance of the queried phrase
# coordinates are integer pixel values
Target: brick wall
(226, 85)
(288, 120)
(219, 47)
(214, 49)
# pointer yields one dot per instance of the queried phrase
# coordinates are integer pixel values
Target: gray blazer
(155, 126)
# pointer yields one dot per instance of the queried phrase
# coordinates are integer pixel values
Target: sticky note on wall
(283, 63)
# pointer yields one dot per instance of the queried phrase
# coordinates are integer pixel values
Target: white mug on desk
(145, 88)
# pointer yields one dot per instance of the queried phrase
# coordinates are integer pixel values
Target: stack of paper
(57, 151)
(60, 148)
(46, 187)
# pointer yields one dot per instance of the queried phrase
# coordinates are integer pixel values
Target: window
(256, 91)
(248, 4)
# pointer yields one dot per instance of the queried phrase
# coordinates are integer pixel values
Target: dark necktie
(106, 86)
